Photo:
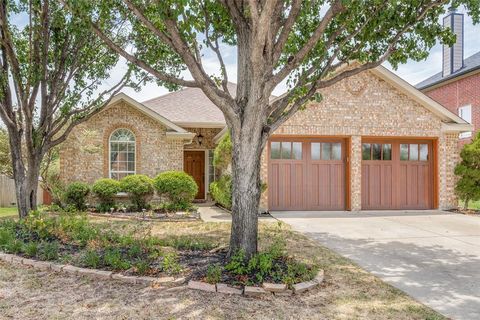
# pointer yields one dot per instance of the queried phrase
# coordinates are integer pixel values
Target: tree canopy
(52, 70)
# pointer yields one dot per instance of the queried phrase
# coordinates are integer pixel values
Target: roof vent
(453, 56)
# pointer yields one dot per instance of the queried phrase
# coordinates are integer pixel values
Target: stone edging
(266, 289)
(95, 273)
(127, 217)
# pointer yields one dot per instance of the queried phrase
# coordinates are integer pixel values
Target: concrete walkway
(433, 256)
(212, 213)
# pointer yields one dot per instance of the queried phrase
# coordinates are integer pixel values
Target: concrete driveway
(433, 256)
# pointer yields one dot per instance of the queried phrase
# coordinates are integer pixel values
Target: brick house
(457, 86)
(374, 142)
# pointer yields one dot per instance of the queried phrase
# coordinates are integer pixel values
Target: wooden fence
(7, 192)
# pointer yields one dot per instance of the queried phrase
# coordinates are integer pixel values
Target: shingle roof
(188, 105)
(471, 63)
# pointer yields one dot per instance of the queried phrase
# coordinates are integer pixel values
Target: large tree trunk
(26, 178)
(247, 146)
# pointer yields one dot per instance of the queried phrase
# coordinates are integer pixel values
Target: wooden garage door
(397, 174)
(306, 174)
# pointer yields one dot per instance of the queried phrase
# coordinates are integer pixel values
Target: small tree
(52, 67)
(468, 186)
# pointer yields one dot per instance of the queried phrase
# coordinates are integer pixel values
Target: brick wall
(462, 92)
(84, 155)
(208, 135)
(365, 105)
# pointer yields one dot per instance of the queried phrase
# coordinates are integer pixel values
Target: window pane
(122, 146)
(336, 151)
(122, 166)
(275, 150)
(297, 150)
(376, 151)
(131, 166)
(113, 156)
(366, 148)
(131, 156)
(424, 152)
(113, 175)
(114, 146)
(315, 151)
(131, 147)
(286, 150)
(387, 151)
(326, 151)
(404, 152)
(413, 152)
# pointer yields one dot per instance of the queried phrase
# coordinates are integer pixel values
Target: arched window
(122, 153)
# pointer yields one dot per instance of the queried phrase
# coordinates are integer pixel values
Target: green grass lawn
(8, 212)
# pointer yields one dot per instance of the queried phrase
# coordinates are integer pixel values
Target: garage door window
(376, 151)
(286, 150)
(413, 152)
(326, 151)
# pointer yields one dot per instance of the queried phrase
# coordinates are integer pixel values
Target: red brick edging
(266, 289)
(279, 289)
(100, 274)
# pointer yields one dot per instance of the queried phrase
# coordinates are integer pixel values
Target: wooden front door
(194, 165)
(397, 174)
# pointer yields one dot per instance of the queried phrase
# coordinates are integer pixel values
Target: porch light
(200, 139)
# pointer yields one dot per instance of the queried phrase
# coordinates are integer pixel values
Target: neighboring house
(457, 86)
(374, 142)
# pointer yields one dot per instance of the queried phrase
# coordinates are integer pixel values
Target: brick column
(356, 173)
(448, 158)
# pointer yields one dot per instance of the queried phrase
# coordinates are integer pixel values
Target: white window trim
(208, 169)
(110, 153)
(468, 134)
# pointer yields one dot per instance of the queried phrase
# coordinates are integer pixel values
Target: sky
(413, 72)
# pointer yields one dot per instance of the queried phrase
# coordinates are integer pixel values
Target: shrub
(222, 156)
(30, 249)
(237, 264)
(91, 259)
(105, 190)
(76, 194)
(140, 188)
(221, 191)
(170, 263)
(14, 246)
(7, 236)
(113, 258)
(142, 267)
(48, 250)
(468, 186)
(178, 187)
(214, 273)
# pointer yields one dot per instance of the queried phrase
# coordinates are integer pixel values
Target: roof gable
(440, 111)
(174, 130)
(189, 107)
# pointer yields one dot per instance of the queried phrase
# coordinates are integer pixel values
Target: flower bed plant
(74, 240)
(272, 265)
(130, 249)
